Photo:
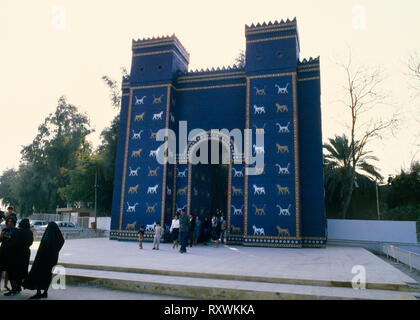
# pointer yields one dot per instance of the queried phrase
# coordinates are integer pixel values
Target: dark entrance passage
(209, 187)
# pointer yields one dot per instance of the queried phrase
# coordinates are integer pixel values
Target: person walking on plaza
(174, 231)
(191, 230)
(217, 230)
(223, 227)
(158, 234)
(18, 260)
(141, 236)
(46, 258)
(184, 227)
(197, 230)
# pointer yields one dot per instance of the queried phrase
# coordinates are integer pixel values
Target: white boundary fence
(104, 223)
(82, 222)
(409, 258)
(45, 217)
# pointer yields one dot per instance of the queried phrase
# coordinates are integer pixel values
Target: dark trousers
(190, 238)
(184, 239)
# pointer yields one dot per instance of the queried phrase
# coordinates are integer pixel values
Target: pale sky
(43, 57)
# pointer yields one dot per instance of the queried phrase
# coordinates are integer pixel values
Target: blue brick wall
(274, 93)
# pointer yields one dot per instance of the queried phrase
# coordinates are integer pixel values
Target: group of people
(15, 255)
(186, 230)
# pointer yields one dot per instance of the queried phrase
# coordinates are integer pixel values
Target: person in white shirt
(174, 231)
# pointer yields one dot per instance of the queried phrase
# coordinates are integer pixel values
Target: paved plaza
(334, 263)
(102, 269)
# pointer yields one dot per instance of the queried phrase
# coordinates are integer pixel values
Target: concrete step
(210, 288)
(405, 287)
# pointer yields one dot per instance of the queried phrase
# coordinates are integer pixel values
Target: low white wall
(372, 230)
(104, 223)
(362, 230)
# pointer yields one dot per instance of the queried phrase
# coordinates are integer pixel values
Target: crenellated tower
(158, 59)
(143, 186)
(272, 47)
(272, 54)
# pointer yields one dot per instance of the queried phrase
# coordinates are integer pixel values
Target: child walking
(141, 236)
(158, 235)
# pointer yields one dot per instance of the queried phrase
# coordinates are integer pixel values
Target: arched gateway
(275, 95)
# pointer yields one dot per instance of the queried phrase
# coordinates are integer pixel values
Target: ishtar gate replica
(274, 93)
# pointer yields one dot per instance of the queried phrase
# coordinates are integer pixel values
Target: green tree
(8, 194)
(60, 142)
(114, 87)
(59, 166)
(107, 151)
(81, 180)
(240, 59)
(338, 170)
(30, 188)
(402, 213)
(404, 189)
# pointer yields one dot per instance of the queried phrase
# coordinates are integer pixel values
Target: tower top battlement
(157, 43)
(273, 25)
(213, 71)
(308, 62)
(288, 28)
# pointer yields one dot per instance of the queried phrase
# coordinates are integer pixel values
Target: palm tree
(338, 170)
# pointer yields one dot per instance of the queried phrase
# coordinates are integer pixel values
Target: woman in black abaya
(6, 236)
(40, 276)
(18, 256)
